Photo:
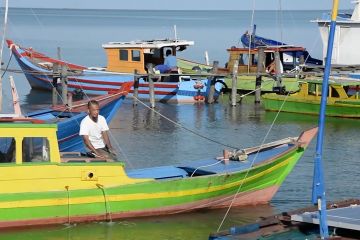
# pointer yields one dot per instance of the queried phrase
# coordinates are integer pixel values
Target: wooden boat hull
(348, 109)
(96, 82)
(244, 83)
(71, 195)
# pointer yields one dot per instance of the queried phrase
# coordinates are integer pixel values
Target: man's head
(93, 110)
(168, 52)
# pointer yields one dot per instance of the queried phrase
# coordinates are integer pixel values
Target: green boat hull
(247, 83)
(274, 102)
(145, 198)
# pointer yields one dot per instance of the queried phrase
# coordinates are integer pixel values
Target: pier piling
(69, 99)
(212, 82)
(151, 86)
(64, 82)
(260, 71)
(136, 88)
(279, 87)
(56, 75)
(234, 83)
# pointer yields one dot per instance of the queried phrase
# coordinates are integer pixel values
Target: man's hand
(112, 151)
(98, 155)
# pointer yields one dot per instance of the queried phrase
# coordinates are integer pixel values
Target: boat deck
(208, 166)
(345, 217)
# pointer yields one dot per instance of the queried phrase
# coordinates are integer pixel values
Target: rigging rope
(252, 163)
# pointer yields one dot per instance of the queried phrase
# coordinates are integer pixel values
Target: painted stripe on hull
(249, 198)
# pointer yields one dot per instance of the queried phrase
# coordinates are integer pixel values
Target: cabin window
(124, 55)
(36, 149)
(334, 92)
(288, 58)
(312, 89)
(135, 55)
(156, 53)
(7, 150)
(254, 58)
(243, 59)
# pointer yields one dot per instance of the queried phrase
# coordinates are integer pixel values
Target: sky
(182, 4)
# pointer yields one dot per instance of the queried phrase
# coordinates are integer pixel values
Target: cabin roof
(336, 81)
(280, 48)
(149, 44)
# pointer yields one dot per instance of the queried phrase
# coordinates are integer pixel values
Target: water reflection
(36, 100)
(164, 227)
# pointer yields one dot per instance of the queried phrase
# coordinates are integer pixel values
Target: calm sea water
(146, 139)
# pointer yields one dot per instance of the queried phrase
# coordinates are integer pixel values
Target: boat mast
(318, 194)
(1, 50)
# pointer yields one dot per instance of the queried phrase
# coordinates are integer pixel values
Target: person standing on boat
(170, 63)
(94, 131)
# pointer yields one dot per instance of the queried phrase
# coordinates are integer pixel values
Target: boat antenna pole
(318, 194)
(175, 33)
(2, 46)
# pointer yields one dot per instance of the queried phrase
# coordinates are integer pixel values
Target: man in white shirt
(94, 131)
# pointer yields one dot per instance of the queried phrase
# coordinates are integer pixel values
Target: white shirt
(94, 130)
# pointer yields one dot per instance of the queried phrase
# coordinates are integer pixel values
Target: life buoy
(198, 85)
(199, 98)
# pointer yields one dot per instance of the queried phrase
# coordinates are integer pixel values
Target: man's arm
(107, 142)
(90, 146)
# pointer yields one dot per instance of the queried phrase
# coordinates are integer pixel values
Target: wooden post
(301, 62)
(56, 75)
(212, 82)
(136, 88)
(151, 91)
(279, 87)
(206, 58)
(234, 83)
(69, 99)
(151, 86)
(64, 82)
(59, 53)
(260, 70)
(15, 97)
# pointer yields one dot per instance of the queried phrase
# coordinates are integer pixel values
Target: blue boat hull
(98, 82)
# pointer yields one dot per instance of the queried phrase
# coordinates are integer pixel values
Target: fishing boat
(247, 67)
(307, 99)
(256, 41)
(126, 61)
(44, 186)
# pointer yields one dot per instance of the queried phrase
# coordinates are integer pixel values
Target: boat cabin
(25, 143)
(311, 90)
(289, 56)
(126, 57)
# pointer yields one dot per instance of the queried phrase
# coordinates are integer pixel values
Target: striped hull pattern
(97, 82)
(348, 110)
(258, 185)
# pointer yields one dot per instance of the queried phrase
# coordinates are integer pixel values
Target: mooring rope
(183, 127)
(252, 162)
